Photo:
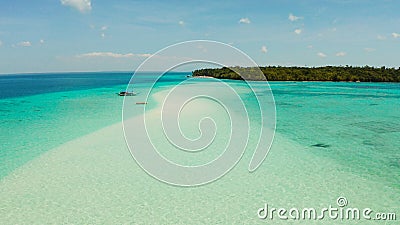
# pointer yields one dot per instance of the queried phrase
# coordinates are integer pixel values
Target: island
(325, 73)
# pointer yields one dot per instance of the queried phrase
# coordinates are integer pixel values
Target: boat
(126, 93)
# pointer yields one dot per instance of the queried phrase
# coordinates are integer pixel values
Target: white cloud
(341, 54)
(181, 23)
(111, 55)
(294, 18)
(245, 20)
(381, 37)
(264, 49)
(322, 55)
(104, 28)
(81, 5)
(298, 31)
(310, 46)
(202, 48)
(396, 35)
(103, 35)
(144, 55)
(369, 49)
(1, 43)
(41, 41)
(25, 44)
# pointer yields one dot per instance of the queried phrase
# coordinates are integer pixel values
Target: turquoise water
(32, 125)
(356, 124)
(41, 111)
(57, 164)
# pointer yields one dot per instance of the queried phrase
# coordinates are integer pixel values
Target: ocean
(63, 157)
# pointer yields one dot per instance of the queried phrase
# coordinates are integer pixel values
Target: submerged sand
(94, 179)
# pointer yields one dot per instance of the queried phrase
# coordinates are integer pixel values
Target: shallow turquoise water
(32, 125)
(41, 111)
(324, 131)
(356, 124)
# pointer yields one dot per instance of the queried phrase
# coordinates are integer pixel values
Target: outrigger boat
(126, 93)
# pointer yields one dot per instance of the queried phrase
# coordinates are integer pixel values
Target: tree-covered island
(326, 73)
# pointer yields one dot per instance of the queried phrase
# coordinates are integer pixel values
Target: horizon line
(156, 71)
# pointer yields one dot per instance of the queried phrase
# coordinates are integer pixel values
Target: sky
(105, 35)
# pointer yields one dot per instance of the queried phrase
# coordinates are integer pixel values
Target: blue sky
(104, 35)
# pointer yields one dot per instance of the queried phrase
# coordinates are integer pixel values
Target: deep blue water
(19, 85)
(41, 111)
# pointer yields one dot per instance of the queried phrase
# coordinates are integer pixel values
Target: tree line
(326, 73)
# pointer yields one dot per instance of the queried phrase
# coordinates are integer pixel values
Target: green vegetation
(327, 73)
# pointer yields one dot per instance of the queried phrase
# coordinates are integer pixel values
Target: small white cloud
(264, 49)
(25, 44)
(320, 54)
(245, 20)
(334, 29)
(144, 55)
(105, 54)
(1, 43)
(395, 35)
(41, 41)
(310, 46)
(381, 37)
(294, 18)
(202, 48)
(103, 35)
(369, 49)
(181, 23)
(298, 31)
(104, 28)
(341, 54)
(110, 55)
(81, 5)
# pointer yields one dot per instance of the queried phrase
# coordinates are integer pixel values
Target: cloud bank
(110, 55)
(81, 5)
(25, 44)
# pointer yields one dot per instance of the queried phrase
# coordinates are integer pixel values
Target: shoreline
(294, 73)
(302, 81)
